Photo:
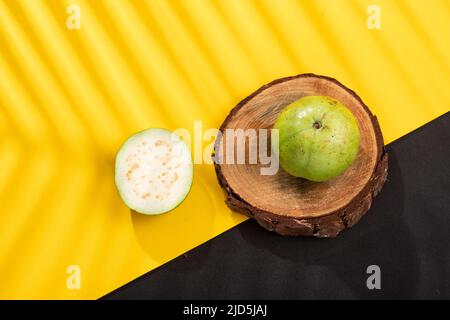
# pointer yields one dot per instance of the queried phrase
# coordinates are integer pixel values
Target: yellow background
(69, 98)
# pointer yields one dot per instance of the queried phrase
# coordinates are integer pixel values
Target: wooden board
(295, 206)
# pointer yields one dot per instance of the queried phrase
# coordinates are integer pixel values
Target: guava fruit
(153, 171)
(318, 138)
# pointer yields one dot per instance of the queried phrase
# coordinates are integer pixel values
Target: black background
(406, 233)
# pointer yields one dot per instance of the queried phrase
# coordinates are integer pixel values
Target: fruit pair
(318, 140)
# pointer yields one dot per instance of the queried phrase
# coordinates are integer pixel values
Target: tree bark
(290, 205)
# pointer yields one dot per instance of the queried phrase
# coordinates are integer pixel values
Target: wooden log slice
(295, 206)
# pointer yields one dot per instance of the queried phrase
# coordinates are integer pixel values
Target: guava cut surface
(153, 171)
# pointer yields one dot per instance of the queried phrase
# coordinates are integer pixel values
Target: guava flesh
(319, 138)
(153, 171)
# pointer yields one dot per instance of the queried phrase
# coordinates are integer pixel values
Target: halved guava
(154, 171)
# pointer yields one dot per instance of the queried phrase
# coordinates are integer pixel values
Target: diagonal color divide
(68, 99)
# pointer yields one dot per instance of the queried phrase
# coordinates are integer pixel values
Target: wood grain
(295, 206)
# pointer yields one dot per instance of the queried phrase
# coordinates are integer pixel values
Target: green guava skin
(318, 138)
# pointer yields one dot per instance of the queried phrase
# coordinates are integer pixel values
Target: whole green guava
(318, 138)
